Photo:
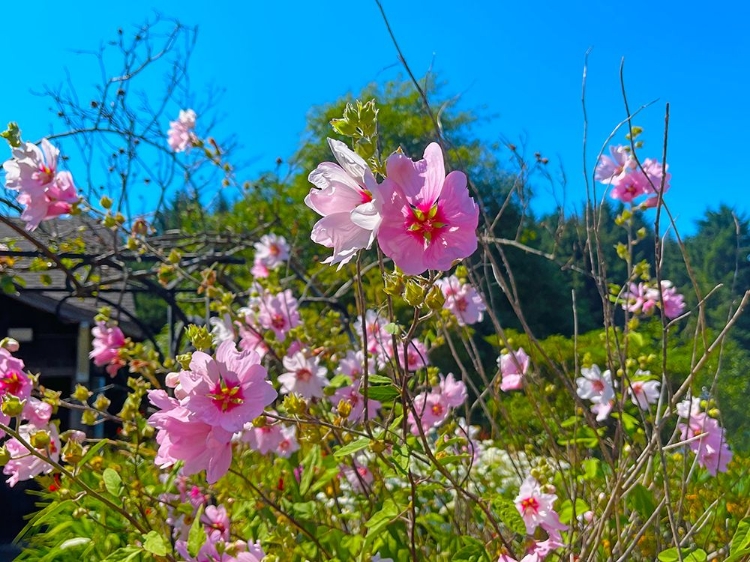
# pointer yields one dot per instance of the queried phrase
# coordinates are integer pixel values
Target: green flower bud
(414, 294)
(81, 393)
(435, 298)
(12, 405)
(102, 403)
(72, 452)
(40, 439)
(4, 456)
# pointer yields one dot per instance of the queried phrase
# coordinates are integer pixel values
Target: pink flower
(222, 329)
(453, 391)
(263, 439)
(272, 251)
(706, 437)
(32, 168)
(108, 340)
(430, 410)
(374, 332)
(535, 506)
(44, 192)
(654, 172)
(611, 170)
(22, 464)
(180, 136)
(288, 442)
(217, 522)
(13, 380)
(353, 365)
(513, 366)
(631, 186)
(304, 376)
(38, 413)
(279, 313)
(352, 395)
(360, 477)
(415, 354)
(228, 391)
(595, 385)
(674, 303)
(638, 299)
(345, 194)
(429, 220)
(643, 393)
(183, 437)
(462, 300)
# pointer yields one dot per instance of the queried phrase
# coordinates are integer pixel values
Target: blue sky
(521, 61)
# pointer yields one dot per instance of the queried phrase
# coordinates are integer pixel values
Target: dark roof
(51, 291)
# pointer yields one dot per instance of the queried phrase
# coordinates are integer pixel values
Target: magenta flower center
(274, 250)
(278, 321)
(597, 385)
(462, 305)
(304, 375)
(46, 174)
(425, 225)
(437, 409)
(529, 504)
(637, 388)
(366, 196)
(12, 383)
(227, 396)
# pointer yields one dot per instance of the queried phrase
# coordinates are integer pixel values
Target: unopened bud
(295, 404)
(105, 202)
(40, 440)
(72, 452)
(81, 393)
(102, 403)
(10, 344)
(435, 298)
(344, 409)
(414, 294)
(12, 405)
(4, 456)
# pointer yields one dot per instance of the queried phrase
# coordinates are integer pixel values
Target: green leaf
(378, 379)
(380, 520)
(352, 447)
(309, 464)
(196, 535)
(508, 514)
(72, 543)
(641, 499)
(112, 481)
(124, 554)
(671, 555)
(741, 538)
(566, 510)
(382, 393)
(154, 543)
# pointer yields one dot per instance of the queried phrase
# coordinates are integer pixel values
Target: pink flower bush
(513, 367)
(346, 195)
(108, 340)
(462, 300)
(272, 438)
(353, 365)
(278, 313)
(411, 357)
(304, 376)
(706, 437)
(44, 191)
(428, 219)
(180, 136)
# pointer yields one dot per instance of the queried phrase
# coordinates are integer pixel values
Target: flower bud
(435, 298)
(295, 404)
(88, 417)
(105, 202)
(72, 452)
(414, 294)
(344, 409)
(12, 405)
(102, 403)
(81, 393)
(4, 456)
(40, 439)
(10, 344)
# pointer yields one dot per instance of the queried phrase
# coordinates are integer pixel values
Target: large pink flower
(535, 506)
(346, 195)
(462, 300)
(228, 391)
(429, 219)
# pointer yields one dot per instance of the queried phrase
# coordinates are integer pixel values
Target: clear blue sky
(521, 60)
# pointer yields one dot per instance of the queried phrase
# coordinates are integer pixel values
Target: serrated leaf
(352, 447)
(112, 481)
(154, 543)
(508, 515)
(196, 535)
